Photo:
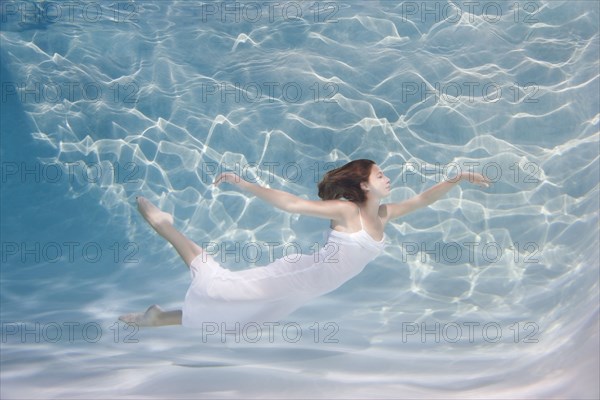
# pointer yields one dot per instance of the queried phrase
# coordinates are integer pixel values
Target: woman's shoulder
(342, 203)
(347, 210)
(351, 209)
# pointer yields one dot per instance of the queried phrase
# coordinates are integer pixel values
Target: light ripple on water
(544, 137)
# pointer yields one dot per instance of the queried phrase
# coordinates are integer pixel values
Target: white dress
(270, 293)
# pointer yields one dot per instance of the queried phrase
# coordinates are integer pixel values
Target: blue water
(487, 293)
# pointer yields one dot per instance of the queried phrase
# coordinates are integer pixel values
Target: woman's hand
(477, 179)
(228, 177)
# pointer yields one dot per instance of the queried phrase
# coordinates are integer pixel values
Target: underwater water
(487, 293)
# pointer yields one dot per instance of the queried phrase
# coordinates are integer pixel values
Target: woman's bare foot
(162, 222)
(154, 215)
(150, 318)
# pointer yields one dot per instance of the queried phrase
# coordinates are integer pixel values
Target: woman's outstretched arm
(330, 209)
(432, 194)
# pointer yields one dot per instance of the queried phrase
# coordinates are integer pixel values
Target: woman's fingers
(227, 177)
(478, 179)
(219, 179)
(483, 181)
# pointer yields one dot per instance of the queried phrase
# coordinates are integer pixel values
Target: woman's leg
(162, 222)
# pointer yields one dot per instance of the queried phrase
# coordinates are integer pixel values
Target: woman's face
(379, 184)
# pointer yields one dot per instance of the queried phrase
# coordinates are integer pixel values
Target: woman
(351, 197)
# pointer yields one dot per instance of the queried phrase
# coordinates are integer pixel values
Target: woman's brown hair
(345, 181)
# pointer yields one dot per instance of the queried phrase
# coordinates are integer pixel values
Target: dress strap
(362, 228)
